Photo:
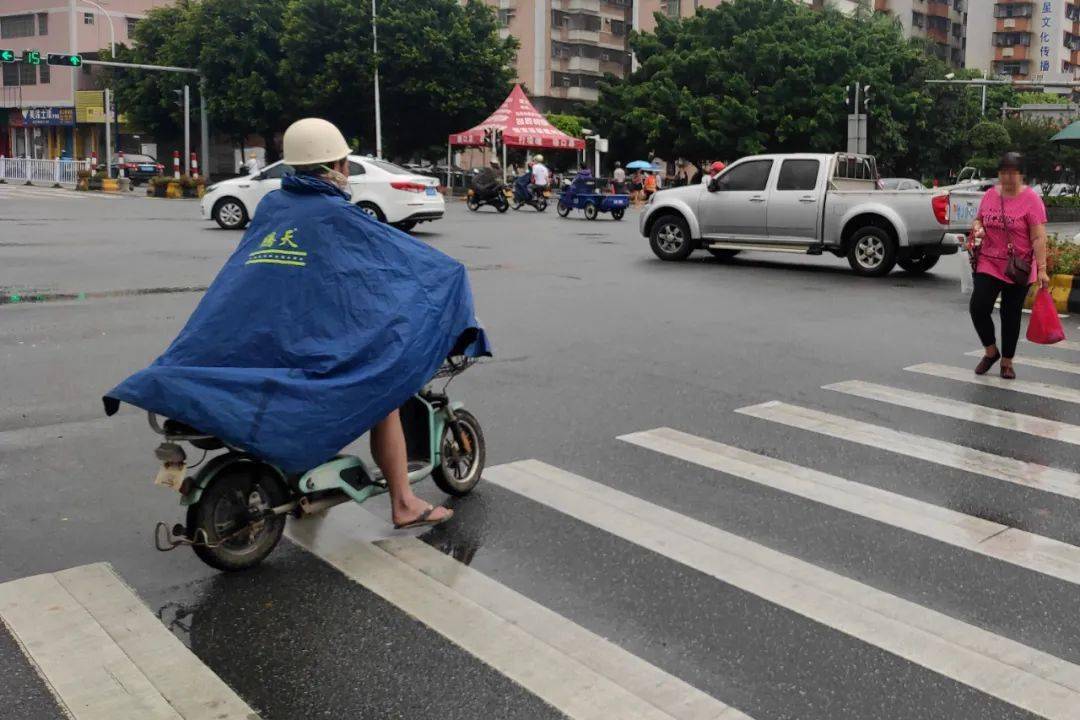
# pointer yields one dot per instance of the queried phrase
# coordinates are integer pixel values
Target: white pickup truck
(804, 203)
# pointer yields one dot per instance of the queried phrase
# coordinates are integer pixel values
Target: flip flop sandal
(424, 520)
(986, 363)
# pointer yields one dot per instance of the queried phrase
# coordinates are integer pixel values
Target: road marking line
(1019, 472)
(1017, 674)
(1034, 552)
(1028, 387)
(1061, 345)
(668, 693)
(563, 682)
(1044, 363)
(1030, 424)
(105, 655)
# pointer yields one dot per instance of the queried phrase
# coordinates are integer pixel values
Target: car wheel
(562, 209)
(230, 214)
(872, 251)
(722, 254)
(618, 213)
(372, 210)
(670, 238)
(919, 264)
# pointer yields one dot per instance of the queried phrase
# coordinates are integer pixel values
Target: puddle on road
(19, 298)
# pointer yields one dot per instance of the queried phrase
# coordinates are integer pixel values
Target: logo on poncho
(278, 251)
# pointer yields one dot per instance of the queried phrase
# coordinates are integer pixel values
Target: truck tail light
(409, 186)
(940, 203)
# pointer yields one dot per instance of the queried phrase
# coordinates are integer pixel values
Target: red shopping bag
(1045, 326)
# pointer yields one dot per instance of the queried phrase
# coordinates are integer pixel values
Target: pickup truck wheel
(670, 238)
(723, 254)
(872, 251)
(918, 265)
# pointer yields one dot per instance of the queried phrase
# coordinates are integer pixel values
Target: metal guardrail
(42, 172)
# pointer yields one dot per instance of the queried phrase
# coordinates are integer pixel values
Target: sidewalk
(1065, 230)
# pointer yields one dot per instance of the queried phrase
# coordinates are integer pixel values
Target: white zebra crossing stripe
(1033, 552)
(567, 684)
(1062, 345)
(105, 655)
(1032, 475)
(669, 694)
(43, 193)
(960, 410)
(1028, 387)
(1017, 674)
(1037, 362)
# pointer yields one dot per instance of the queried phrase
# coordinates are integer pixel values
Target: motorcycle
(495, 196)
(237, 504)
(523, 194)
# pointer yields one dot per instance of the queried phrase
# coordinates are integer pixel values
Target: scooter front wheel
(461, 456)
(224, 525)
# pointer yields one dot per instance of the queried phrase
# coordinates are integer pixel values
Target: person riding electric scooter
(524, 195)
(488, 189)
(321, 325)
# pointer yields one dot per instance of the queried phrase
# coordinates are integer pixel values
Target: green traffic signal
(7, 56)
(32, 57)
(69, 60)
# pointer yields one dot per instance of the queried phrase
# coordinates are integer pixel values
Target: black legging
(987, 288)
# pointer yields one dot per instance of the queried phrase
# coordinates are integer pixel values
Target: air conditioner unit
(1007, 52)
(1009, 23)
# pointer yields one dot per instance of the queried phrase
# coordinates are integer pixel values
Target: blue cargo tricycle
(583, 195)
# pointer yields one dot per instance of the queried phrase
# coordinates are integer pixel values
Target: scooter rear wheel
(225, 538)
(459, 468)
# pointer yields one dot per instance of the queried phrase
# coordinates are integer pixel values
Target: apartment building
(942, 23)
(1028, 40)
(38, 113)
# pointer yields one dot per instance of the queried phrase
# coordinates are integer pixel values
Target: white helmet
(313, 141)
(538, 158)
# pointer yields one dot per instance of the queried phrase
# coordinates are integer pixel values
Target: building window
(1014, 67)
(43, 73)
(88, 18)
(618, 28)
(1008, 39)
(43, 24)
(27, 74)
(505, 16)
(917, 19)
(1072, 12)
(11, 74)
(131, 23)
(17, 26)
(671, 8)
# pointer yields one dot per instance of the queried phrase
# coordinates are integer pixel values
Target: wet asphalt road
(594, 339)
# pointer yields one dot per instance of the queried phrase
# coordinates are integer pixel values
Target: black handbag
(1018, 269)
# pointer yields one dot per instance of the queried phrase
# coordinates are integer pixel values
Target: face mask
(333, 176)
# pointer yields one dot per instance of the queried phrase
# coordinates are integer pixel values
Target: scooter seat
(175, 427)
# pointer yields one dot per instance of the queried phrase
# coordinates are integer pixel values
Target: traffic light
(7, 56)
(32, 57)
(68, 60)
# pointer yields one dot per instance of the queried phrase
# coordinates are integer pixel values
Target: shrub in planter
(82, 178)
(1062, 256)
(158, 185)
(95, 180)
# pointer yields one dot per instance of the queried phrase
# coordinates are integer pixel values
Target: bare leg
(388, 447)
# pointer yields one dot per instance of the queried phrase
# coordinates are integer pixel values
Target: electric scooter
(523, 194)
(237, 503)
(495, 196)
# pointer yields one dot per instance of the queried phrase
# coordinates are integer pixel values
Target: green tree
(764, 74)
(442, 67)
(988, 141)
(570, 124)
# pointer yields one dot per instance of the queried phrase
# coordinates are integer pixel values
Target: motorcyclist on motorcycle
(487, 180)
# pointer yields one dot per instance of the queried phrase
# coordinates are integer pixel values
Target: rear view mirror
(714, 184)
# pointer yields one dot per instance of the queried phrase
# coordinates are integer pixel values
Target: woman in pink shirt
(1010, 213)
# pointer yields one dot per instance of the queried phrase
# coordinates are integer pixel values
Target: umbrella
(1070, 134)
(639, 165)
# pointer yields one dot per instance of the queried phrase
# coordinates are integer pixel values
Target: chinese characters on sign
(1044, 37)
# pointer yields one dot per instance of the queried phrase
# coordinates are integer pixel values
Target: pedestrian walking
(1009, 254)
(651, 184)
(637, 187)
(618, 179)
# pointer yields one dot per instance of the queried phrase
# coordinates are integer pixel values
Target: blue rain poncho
(320, 324)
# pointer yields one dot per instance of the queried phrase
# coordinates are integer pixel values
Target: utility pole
(108, 132)
(204, 130)
(187, 130)
(378, 109)
(857, 141)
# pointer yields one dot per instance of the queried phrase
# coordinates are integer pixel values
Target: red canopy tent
(516, 123)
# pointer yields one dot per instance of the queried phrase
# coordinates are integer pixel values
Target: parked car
(804, 203)
(387, 192)
(901, 184)
(139, 168)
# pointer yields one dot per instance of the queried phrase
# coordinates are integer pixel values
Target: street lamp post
(378, 109)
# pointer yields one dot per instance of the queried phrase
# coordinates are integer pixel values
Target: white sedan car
(388, 193)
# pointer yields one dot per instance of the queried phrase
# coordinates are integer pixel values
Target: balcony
(938, 36)
(581, 35)
(582, 93)
(1016, 52)
(583, 64)
(1013, 24)
(579, 6)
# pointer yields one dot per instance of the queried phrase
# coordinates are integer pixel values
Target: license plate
(431, 192)
(171, 475)
(147, 168)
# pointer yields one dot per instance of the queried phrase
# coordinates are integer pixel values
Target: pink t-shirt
(1021, 213)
